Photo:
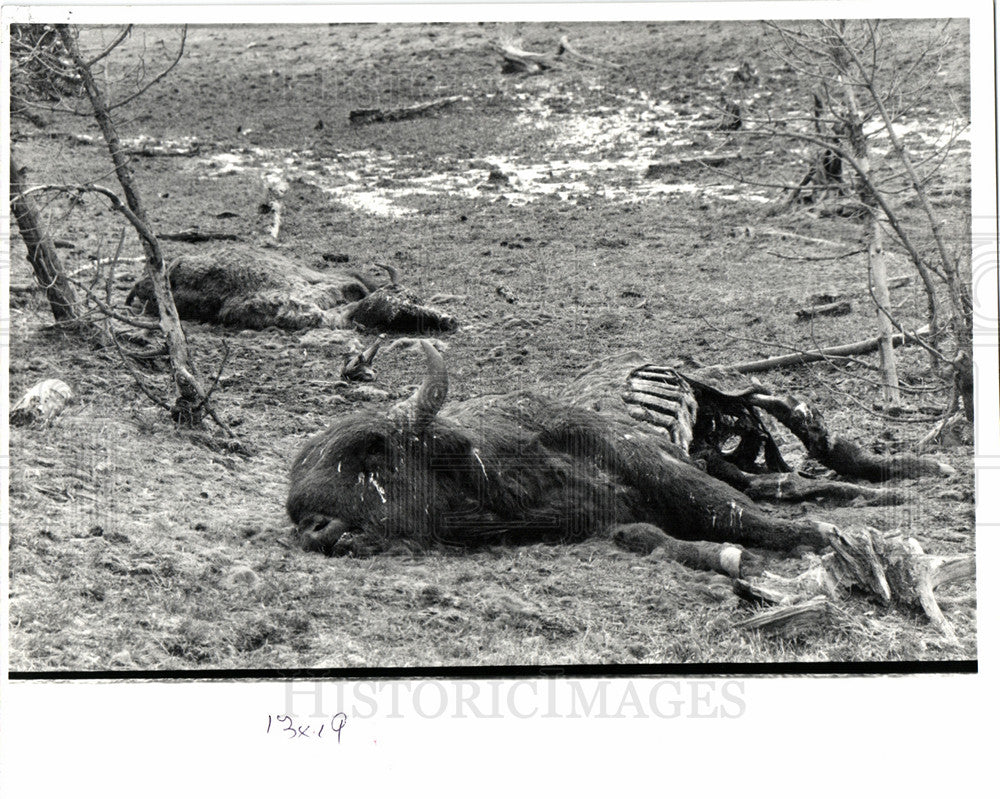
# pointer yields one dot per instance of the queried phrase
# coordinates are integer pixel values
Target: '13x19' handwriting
(293, 730)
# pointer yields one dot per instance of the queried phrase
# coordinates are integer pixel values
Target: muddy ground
(138, 546)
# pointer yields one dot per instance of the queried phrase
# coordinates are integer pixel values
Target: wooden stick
(364, 116)
(195, 236)
(661, 168)
(518, 60)
(566, 49)
(897, 282)
(790, 621)
(159, 150)
(841, 308)
(810, 356)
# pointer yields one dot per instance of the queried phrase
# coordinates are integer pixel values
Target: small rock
(242, 576)
(498, 178)
(43, 402)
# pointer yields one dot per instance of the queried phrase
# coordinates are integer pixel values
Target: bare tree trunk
(880, 292)
(873, 219)
(41, 252)
(959, 296)
(189, 407)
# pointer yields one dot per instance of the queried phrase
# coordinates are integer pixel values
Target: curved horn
(420, 409)
(433, 392)
(391, 271)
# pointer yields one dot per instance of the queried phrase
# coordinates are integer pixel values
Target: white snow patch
(603, 153)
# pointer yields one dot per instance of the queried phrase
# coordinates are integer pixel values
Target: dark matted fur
(254, 288)
(514, 467)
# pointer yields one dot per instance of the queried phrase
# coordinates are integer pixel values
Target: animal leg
(698, 506)
(843, 456)
(794, 487)
(723, 558)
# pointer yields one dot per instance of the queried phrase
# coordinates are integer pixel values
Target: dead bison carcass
(521, 467)
(255, 289)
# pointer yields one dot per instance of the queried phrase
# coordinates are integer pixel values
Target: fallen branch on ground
(195, 236)
(950, 422)
(809, 356)
(144, 147)
(364, 116)
(517, 60)
(566, 49)
(891, 570)
(156, 149)
(790, 621)
(524, 61)
(75, 138)
(832, 304)
(892, 283)
(660, 168)
(841, 308)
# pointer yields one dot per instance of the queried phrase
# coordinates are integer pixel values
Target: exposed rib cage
(658, 395)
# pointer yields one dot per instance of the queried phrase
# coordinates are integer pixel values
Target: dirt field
(137, 546)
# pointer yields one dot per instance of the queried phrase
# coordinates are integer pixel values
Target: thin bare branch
(110, 312)
(218, 374)
(107, 50)
(799, 257)
(149, 84)
(131, 370)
